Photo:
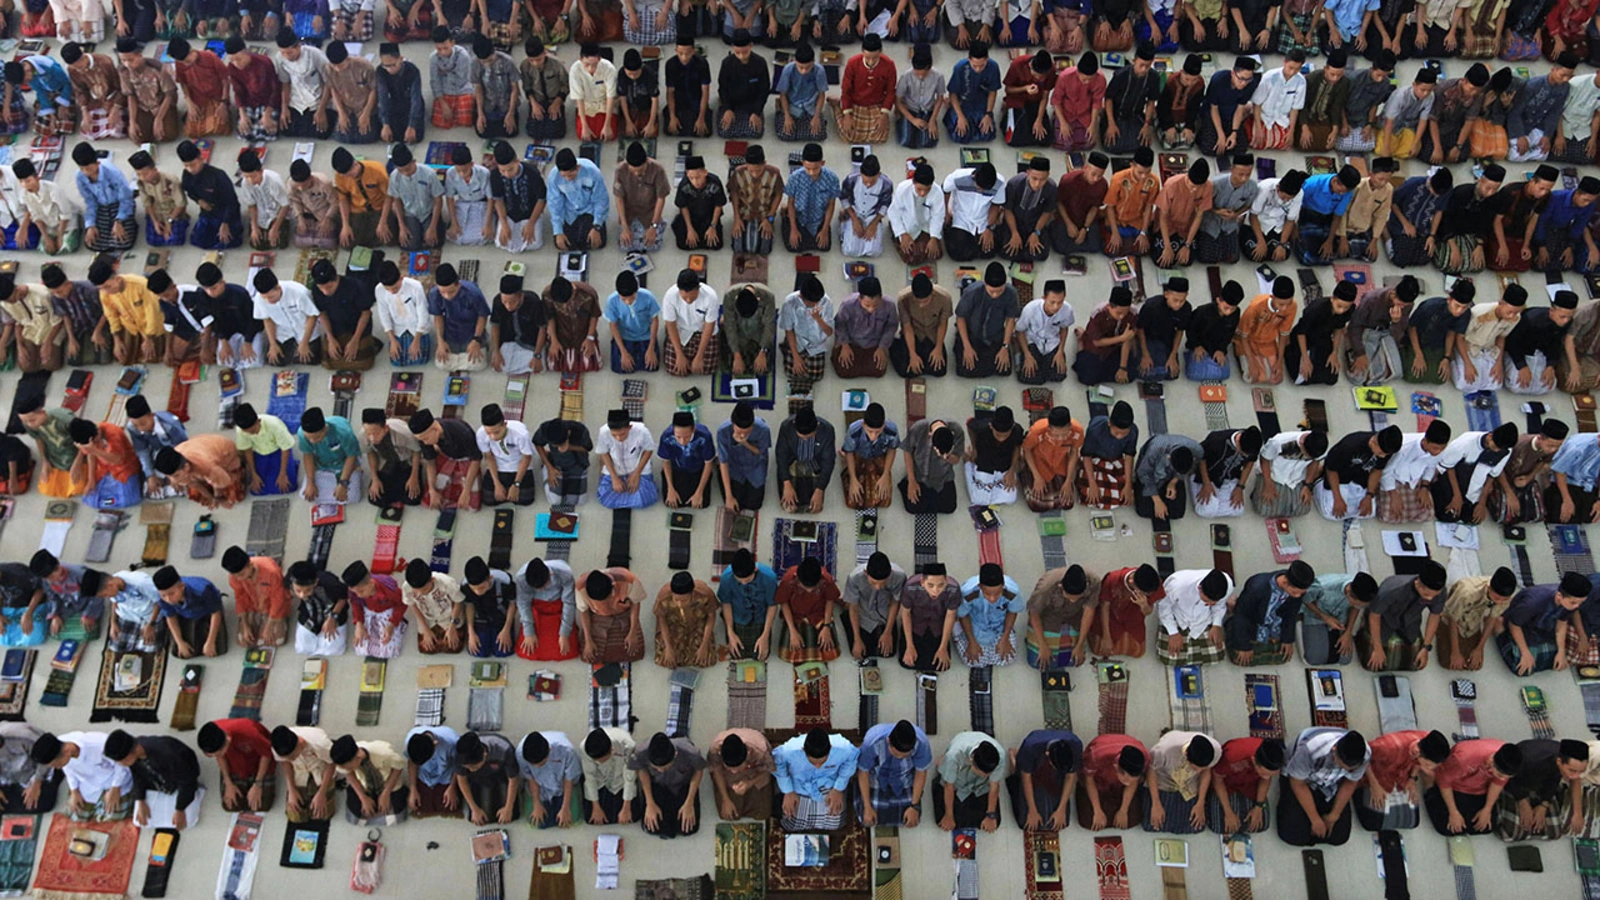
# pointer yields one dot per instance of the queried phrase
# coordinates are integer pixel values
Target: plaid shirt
(811, 196)
(81, 306)
(498, 77)
(754, 192)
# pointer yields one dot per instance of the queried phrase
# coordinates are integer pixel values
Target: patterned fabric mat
(14, 694)
(747, 694)
(741, 872)
(788, 551)
(138, 704)
(1264, 702)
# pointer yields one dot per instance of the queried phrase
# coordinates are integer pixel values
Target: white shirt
(139, 599)
(1041, 330)
(1271, 210)
(1466, 449)
(1287, 472)
(1182, 611)
(509, 452)
(913, 215)
(304, 76)
(1410, 465)
(403, 310)
(268, 197)
(90, 773)
(1279, 97)
(969, 204)
(691, 317)
(625, 454)
(48, 206)
(290, 313)
(593, 93)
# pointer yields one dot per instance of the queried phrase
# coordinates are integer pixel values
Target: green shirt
(337, 445)
(272, 437)
(956, 768)
(1329, 596)
(56, 436)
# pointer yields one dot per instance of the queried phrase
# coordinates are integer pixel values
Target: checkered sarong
(1195, 651)
(648, 33)
(863, 125)
(1110, 474)
(1591, 704)
(924, 540)
(1569, 544)
(680, 701)
(740, 127)
(813, 815)
(1404, 505)
(1052, 547)
(430, 706)
(980, 695)
(670, 350)
(747, 700)
(611, 705)
(1508, 823)
(1188, 713)
(811, 372)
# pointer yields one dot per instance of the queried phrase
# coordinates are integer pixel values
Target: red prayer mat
(66, 876)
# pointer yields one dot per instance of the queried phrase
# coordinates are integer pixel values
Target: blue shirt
(461, 313)
(1434, 324)
(1534, 609)
(200, 599)
(749, 601)
(690, 457)
(972, 89)
(1318, 196)
(570, 198)
(1347, 14)
(750, 468)
(110, 189)
(989, 619)
(51, 84)
(1562, 215)
(561, 766)
(803, 90)
(886, 768)
(632, 320)
(166, 432)
(441, 766)
(796, 775)
(1579, 460)
(811, 196)
(338, 445)
(856, 440)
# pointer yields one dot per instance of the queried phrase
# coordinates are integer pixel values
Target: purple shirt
(855, 326)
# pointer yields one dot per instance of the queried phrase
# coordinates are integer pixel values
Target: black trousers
(1294, 827)
(681, 232)
(577, 232)
(303, 123)
(942, 501)
(968, 813)
(1321, 372)
(900, 359)
(962, 246)
(1002, 234)
(684, 482)
(527, 487)
(925, 645)
(747, 495)
(869, 640)
(1468, 805)
(1442, 494)
(392, 487)
(670, 803)
(1176, 507)
(611, 804)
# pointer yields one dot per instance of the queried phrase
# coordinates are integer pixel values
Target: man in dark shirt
(78, 302)
(186, 316)
(1350, 474)
(218, 226)
(1080, 202)
(700, 199)
(166, 776)
(344, 307)
(402, 112)
(1516, 209)
(1160, 325)
(1230, 455)
(1130, 103)
(1312, 353)
(1395, 618)
(565, 448)
(1261, 627)
(1030, 206)
(1227, 105)
(322, 609)
(804, 454)
(234, 327)
(1434, 333)
(518, 200)
(449, 447)
(517, 328)
(986, 318)
(488, 597)
(1547, 792)
(1537, 622)
(688, 86)
(743, 83)
(1541, 339)
(1210, 335)
(1468, 216)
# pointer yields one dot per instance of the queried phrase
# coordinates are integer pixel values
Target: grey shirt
(1154, 466)
(450, 75)
(1406, 110)
(16, 767)
(1224, 195)
(561, 586)
(872, 604)
(933, 472)
(467, 190)
(1366, 95)
(562, 765)
(416, 192)
(675, 778)
(920, 94)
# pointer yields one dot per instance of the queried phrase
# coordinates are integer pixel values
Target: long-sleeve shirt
(1153, 469)
(745, 465)
(1579, 461)
(1169, 760)
(16, 746)
(90, 773)
(560, 586)
(110, 188)
(400, 101)
(1182, 611)
(51, 84)
(743, 86)
(1263, 613)
(1538, 108)
(1534, 610)
(801, 457)
(450, 75)
(586, 194)
(168, 767)
(265, 594)
(166, 432)
(854, 325)
(864, 85)
(915, 215)
(796, 774)
(1399, 607)
(213, 190)
(1535, 332)
(613, 775)
(748, 602)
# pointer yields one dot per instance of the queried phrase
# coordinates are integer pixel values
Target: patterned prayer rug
(1041, 854)
(369, 702)
(252, 684)
(924, 540)
(1113, 681)
(848, 873)
(287, 399)
(64, 875)
(741, 872)
(788, 550)
(142, 674)
(19, 838)
(1266, 711)
(14, 694)
(813, 704)
(734, 532)
(1111, 868)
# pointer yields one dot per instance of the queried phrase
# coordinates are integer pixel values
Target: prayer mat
(515, 401)
(1173, 884)
(679, 525)
(203, 543)
(1112, 679)
(1464, 692)
(1316, 873)
(252, 684)
(58, 516)
(620, 554)
(1355, 547)
(793, 540)
(106, 526)
(33, 386)
(1285, 544)
(1326, 687)
(313, 679)
(741, 850)
(680, 700)
(1586, 850)
(366, 873)
(697, 888)
(1426, 407)
(432, 681)
(1052, 527)
(1054, 686)
(486, 691)
(77, 390)
(287, 400)
(1537, 711)
(127, 385)
(734, 532)
(747, 694)
(928, 702)
(1392, 864)
(611, 696)
(980, 698)
(269, 527)
(369, 701)
(634, 393)
(1222, 548)
(1111, 868)
(1262, 700)
(1041, 856)
(1036, 402)
(309, 256)
(1483, 411)
(1462, 859)
(158, 867)
(444, 535)
(1316, 415)
(1187, 706)
(1516, 538)
(813, 704)
(560, 513)
(886, 881)
(305, 844)
(321, 542)
(866, 534)
(572, 396)
(345, 386)
(386, 547)
(14, 694)
(924, 540)
(188, 697)
(987, 524)
(1214, 400)
(916, 400)
(405, 395)
(64, 875)
(964, 851)
(63, 673)
(1569, 544)
(1266, 407)
(456, 388)
(870, 678)
(1534, 412)
(1310, 285)
(490, 848)
(760, 391)
(500, 539)
(848, 873)
(19, 838)
(1396, 709)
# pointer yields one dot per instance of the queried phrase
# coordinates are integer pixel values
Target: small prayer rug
(1112, 679)
(680, 701)
(1263, 701)
(747, 694)
(19, 838)
(848, 873)
(183, 710)
(14, 694)
(928, 702)
(1111, 868)
(980, 697)
(386, 547)
(63, 875)
(813, 704)
(734, 532)
(793, 540)
(741, 850)
(269, 527)
(1186, 699)
(287, 399)
(1054, 687)
(1042, 856)
(305, 844)
(611, 696)
(252, 684)
(924, 540)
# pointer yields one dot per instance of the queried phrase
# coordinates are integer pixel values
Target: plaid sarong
(1272, 653)
(611, 705)
(1177, 810)
(1113, 701)
(924, 540)
(1188, 713)
(454, 111)
(811, 372)
(430, 706)
(987, 655)
(1195, 651)
(740, 128)
(980, 696)
(670, 351)
(1109, 474)
(1404, 505)
(1508, 823)
(869, 473)
(813, 815)
(747, 700)
(1242, 805)
(649, 33)
(863, 125)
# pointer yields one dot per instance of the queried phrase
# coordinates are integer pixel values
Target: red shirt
(1021, 74)
(264, 594)
(385, 601)
(807, 604)
(249, 743)
(863, 86)
(1078, 100)
(1469, 769)
(205, 80)
(1078, 197)
(1100, 759)
(256, 82)
(1393, 763)
(1237, 767)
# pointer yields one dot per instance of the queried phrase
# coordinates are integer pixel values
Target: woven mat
(1186, 699)
(1113, 698)
(269, 527)
(723, 545)
(747, 694)
(924, 540)
(252, 684)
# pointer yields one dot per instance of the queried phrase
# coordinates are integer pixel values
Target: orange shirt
(1050, 454)
(1266, 319)
(1183, 202)
(1131, 196)
(263, 594)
